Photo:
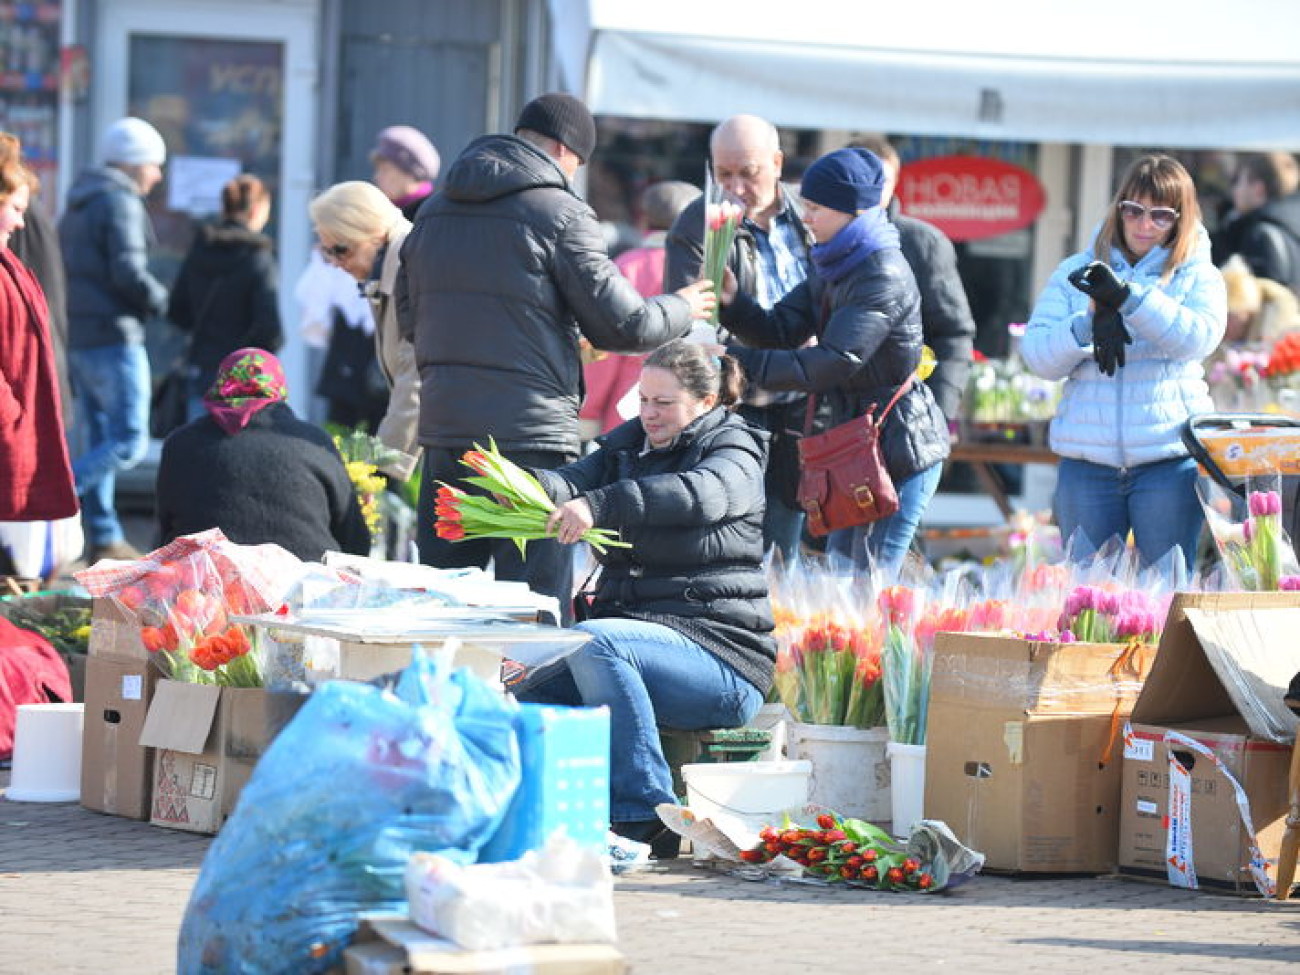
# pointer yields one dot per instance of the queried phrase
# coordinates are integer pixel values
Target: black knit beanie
(563, 118)
(847, 180)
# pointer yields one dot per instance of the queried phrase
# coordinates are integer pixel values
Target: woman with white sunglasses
(1127, 323)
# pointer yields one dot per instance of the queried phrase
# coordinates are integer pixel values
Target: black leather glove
(1099, 283)
(1109, 336)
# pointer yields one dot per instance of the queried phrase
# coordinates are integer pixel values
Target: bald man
(769, 257)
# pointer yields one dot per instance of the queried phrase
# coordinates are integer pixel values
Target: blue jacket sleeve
(127, 250)
(1186, 331)
(1052, 346)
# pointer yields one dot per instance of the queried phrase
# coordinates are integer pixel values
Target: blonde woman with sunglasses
(361, 231)
(1127, 323)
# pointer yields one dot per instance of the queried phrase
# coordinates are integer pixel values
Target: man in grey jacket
(105, 236)
(505, 270)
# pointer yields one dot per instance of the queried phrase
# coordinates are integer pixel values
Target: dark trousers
(548, 566)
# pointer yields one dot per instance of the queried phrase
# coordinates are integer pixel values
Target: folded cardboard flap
(180, 716)
(1255, 655)
(1225, 654)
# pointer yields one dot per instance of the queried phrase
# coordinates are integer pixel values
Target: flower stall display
(1237, 380)
(1003, 399)
(515, 506)
(1257, 378)
(182, 596)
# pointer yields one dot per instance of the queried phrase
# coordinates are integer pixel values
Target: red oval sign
(970, 197)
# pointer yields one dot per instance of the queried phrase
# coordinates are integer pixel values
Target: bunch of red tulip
(848, 851)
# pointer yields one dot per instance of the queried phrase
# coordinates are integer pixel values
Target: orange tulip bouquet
(182, 595)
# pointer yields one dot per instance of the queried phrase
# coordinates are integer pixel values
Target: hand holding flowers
(515, 507)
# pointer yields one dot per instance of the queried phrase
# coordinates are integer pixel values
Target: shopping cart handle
(1209, 422)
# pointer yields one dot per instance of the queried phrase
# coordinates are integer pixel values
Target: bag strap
(893, 401)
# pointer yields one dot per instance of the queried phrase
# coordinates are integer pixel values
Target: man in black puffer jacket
(503, 273)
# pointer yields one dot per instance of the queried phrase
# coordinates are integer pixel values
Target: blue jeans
(1156, 501)
(111, 385)
(884, 544)
(782, 528)
(647, 675)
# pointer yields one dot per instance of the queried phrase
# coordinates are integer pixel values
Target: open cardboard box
(392, 945)
(1018, 737)
(207, 741)
(1225, 661)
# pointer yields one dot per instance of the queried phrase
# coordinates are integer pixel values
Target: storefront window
(219, 105)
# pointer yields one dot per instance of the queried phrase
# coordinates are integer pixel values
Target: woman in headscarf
(250, 467)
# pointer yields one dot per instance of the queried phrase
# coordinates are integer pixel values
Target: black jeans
(548, 567)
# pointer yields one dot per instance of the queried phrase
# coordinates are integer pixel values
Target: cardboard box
(1018, 731)
(114, 631)
(116, 770)
(395, 946)
(565, 758)
(1224, 663)
(208, 740)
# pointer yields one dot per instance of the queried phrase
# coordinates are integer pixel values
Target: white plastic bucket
(907, 789)
(47, 753)
(745, 796)
(850, 771)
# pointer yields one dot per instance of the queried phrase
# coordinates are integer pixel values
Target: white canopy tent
(1189, 74)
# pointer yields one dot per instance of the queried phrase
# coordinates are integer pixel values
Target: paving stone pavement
(82, 893)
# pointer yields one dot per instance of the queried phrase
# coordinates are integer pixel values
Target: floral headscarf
(248, 380)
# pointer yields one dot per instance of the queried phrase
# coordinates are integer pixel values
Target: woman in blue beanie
(861, 310)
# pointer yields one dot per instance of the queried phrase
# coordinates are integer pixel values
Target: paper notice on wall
(194, 183)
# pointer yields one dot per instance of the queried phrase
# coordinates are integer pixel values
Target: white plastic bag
(561, 894)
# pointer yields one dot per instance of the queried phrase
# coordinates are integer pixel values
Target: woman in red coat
(35, 476)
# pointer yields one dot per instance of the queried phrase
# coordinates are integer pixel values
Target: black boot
(664, 843)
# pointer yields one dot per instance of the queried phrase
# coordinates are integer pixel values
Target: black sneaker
(664, 843)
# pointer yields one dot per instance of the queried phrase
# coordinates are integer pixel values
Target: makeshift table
(982, 457)
(360, 644)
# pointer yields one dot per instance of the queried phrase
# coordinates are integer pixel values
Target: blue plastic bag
(356, 782)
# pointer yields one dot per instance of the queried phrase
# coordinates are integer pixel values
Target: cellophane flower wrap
(722, 216)
(514, 507)
(828, 652)
(181, 597)
(1253, 545)
(363, 455)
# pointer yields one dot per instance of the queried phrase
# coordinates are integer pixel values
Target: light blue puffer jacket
(1136, 417)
